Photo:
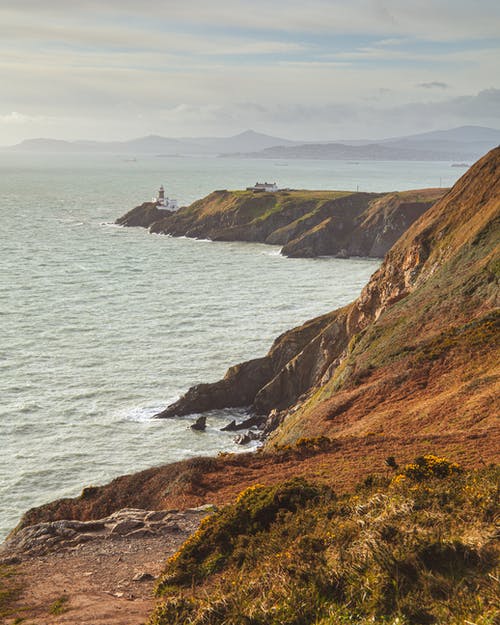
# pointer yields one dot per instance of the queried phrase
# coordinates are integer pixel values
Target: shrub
(209, 548)
(417, 553)
(425, 467)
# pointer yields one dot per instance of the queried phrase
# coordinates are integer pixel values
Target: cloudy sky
(322, 69)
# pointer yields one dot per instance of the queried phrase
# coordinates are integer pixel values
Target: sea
(103, 326)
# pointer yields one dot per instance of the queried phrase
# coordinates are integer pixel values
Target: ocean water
(103, 326)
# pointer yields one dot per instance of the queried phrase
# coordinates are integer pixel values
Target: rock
(143, 532)
(207, 507)
(166, 528)
(143, 216)
(158, 515)
(125, 527)
(143, 577)
(127, 523)
(255, 420)
(248, 437)
(242, 439)
(200, 424)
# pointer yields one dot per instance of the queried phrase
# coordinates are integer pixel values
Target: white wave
(141, 414)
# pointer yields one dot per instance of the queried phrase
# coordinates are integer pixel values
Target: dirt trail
(107, 579)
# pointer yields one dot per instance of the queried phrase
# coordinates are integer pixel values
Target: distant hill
(466, 143)
(247, 141)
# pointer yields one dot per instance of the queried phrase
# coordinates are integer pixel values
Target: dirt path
(107, 579)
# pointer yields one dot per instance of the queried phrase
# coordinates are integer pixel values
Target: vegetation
(59, 606)
(9, 590)
(415, 549)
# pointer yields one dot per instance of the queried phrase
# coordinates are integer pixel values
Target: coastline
(306, 224)
(352, 386)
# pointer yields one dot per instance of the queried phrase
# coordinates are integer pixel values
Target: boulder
(200, 424)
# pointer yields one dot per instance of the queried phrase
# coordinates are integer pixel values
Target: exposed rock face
(242, 383)
(310, 365)
(142, 216)
(306, 223)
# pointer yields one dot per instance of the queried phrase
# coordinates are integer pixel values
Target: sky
(315, 70)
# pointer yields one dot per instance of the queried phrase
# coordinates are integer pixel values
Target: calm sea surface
(103, 326)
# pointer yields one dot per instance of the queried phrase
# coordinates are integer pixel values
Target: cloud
(434, 85)
(19, 118)
(163, 66)
(429, 19)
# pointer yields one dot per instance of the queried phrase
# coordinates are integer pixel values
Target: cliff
(305, 223)
(410, 366)
(418, 347)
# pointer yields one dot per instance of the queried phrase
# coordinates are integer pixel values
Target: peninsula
(305, 223)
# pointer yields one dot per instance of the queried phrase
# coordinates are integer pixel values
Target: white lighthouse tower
(163, 202)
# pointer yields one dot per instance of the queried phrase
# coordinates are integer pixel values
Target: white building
(264, 186)
(165, 203)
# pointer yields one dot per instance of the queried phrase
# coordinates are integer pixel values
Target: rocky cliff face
(396, 357)
(306, 223)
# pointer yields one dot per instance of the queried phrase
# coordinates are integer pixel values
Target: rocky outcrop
(141, 216)
(200, 424)
(242, 383)
(305, 223)
(129, 523)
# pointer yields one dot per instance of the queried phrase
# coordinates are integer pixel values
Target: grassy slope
(311, 222)
(415, 549)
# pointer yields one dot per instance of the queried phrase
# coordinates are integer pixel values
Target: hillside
(297, 554)
(419, 346)
(305, 223)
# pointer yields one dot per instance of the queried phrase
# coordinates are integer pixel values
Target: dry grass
(417, 548)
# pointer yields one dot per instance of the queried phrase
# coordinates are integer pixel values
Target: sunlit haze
(324, 69)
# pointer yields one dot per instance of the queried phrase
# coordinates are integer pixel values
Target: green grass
(9, 590)
(415, 549)
(59, 606)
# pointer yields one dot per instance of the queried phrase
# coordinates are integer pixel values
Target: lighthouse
(163, 202)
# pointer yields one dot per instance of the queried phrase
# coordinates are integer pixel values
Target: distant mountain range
(466, 143)
(248, 141)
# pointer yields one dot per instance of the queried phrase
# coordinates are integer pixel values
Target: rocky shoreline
(306, 224)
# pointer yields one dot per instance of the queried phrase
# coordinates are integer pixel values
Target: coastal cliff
(393, 360)
(305, 223)
(363, 397)
(411, 365)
